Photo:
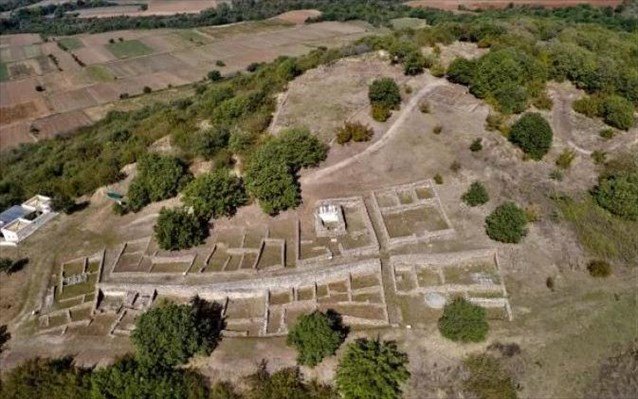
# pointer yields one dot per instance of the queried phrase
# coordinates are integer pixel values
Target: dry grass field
(109, 65)
(484, 4)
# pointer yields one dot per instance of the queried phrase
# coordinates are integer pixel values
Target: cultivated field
(50, 88)
(484, 4)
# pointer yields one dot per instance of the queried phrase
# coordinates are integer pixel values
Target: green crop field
(4, 73)
(129, 48)
(70, 43)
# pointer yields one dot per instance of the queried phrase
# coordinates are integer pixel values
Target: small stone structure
(329, 220)
(20, 221)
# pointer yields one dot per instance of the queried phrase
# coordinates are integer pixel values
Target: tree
(127, 378)
(464, 322)
(487, 379)
(215, 194)
(599, 268)
(210, 141)
(273, 184)
(507, 223)
(168, 335)
(158, 178)
(43, 378)
(214, 75)
(299, 148)
(618, 193)
(372, 369)
(476, 194)
(316, 336)
(179, 229)
(385, 92)
(532, 134)
(414, 63)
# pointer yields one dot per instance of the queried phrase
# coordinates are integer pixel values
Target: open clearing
(97, 69)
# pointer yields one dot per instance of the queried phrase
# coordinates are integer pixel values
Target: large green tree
(158, 178)
(372, 369)
(168, 335)
(532, 134)
(215, 194)
(463, 321)
(179, 229)
(385, 92)
(316, 336)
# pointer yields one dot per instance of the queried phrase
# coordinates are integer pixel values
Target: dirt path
(404, 113)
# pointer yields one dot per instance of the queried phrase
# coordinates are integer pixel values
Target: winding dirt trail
(404, 113)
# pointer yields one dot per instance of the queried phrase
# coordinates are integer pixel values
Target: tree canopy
(316, 336)
(507, 223)
(463, 321)
(179, 229)
(168, 335)
(372, 369)
(532, 134)
(476, 195)
(385, 92)
(215, 194)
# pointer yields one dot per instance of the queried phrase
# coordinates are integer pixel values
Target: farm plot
(410, 213)
(129, 49)
(427, 282)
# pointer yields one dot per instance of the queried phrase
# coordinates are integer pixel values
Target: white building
(20, 221)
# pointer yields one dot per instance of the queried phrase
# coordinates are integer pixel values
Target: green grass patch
(4, 73)
(192, 36)
(32, 51)
(599, 232)
(404, 23)
(129, 48)
(100, 73)
(70, 43)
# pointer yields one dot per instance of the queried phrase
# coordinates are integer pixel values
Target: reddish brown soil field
(475, 4)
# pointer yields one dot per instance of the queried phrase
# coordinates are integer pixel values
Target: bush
(588, 106)
(532, 134)
(158, 178)
(599, 157)
(599, 268)
(147, 90)
(476, 194)
(618, 112)
(178, 229)
(168, 335)
(543, 101)
(414, 64)
(618, 193)
(240, 141)
(424, 107)
(463, 322)
(437, 129)
(607, 133)
(385, 92)
(380, 113)
(461, 71)
(354, 131)
(487, 379)
(316, 336)
(498, 122)
(215, 194)
(438, 179)
(286, 383)
(437, 70)
(220, 63)
(557, 175)
(214, 76)
(565, 158)
(372, 369)
(209, 142)
(507, 223)
(477, 145)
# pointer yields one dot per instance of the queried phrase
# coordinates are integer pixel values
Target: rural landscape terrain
(318, 199)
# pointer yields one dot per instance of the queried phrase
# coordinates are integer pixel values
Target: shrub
(240, 141)
(543, 101)
(215, 194)
(549, 283)
(498, 122)
(618, 193)
(220, 63)
(618, 112)
(437, 129)
(588, 106)
(565, 158)
(168, 335)
(557, 175)
(455, 166)
(507, 223)
(214, 76)
(372, 369)
(316, 336)
(607, 133)
(285, 383)
(532, 134)
(147, 90)
(158, 178)
(380, 113)
(178, 229)
(476, 194)
(355, 131)
(385, 92)
(414, 63)
(487, 379)
(463, 321)
(437, 70)
(461, 71)
(599, 157)
(253, 66)
(599, 268)
(424, 107)
(438, 179)
(477, 145)
(209, 142)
